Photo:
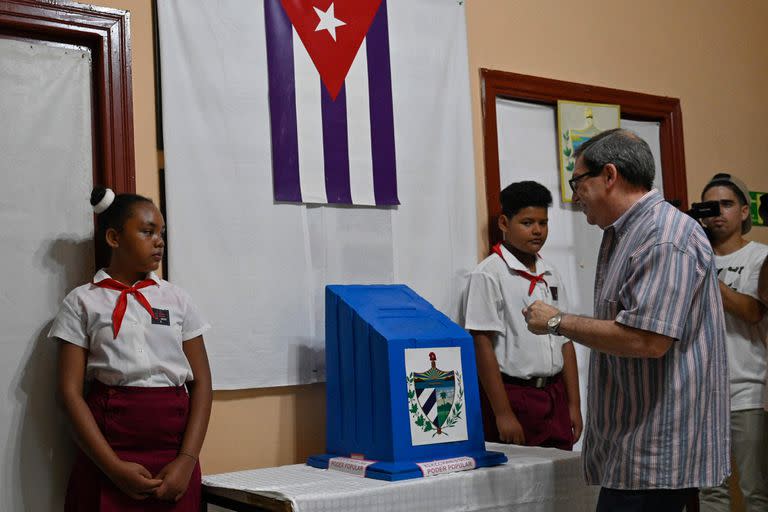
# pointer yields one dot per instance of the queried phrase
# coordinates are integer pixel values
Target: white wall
(45, 250)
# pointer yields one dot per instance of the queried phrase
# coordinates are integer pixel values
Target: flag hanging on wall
(330, 102)
(218, 136)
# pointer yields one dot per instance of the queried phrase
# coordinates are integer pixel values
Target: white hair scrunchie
(102, 205)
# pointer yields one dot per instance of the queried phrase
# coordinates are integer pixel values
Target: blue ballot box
(402, 395)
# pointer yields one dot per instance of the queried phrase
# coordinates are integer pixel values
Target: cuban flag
(330, 102)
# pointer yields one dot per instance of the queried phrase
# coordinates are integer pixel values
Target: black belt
(533, 382)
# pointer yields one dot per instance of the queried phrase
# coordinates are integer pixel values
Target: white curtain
(527, 136)
(258, 269)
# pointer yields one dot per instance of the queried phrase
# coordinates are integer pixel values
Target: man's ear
(113, 238)
(611, 174)
(744, 212)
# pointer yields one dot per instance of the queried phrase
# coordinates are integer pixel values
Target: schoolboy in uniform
(530, 385)
(738, 263)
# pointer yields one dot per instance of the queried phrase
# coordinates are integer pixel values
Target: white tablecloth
(534, 480)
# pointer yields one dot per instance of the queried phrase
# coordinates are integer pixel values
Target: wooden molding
(106, 32)
(636, 106)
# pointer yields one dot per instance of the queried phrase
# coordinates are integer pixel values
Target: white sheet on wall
(527, 135)
(258, 269)
(46, 249)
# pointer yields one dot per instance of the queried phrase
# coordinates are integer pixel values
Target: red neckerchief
(122, 299)
(530, 277)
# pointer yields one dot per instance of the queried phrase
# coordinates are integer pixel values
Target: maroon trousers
(543, 414)
(142, 425)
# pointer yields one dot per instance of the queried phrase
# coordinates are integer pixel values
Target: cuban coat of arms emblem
(435, 395)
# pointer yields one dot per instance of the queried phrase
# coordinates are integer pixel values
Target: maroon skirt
(142, 425)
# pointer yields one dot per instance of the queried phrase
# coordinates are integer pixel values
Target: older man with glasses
(658, 401)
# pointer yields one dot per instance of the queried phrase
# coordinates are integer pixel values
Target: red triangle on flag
(318, 21)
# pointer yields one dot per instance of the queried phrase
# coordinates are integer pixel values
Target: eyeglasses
(574, 182)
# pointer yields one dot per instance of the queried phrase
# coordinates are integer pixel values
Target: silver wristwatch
(553, 324)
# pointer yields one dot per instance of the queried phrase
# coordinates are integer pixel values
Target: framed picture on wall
(758, 208)
(576, 123)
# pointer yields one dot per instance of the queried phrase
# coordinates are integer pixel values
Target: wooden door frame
(107, 33)
(636, 106)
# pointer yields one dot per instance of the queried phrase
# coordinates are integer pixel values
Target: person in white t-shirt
(137, 340)
(762, 286)
(762, 282)
(738, 262)
(530, 390)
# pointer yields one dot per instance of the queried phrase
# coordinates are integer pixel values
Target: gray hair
(623, 148)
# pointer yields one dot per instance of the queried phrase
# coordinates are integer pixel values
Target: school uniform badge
(162, 317)
(435, 395)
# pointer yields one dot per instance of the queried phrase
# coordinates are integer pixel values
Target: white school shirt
(745, 343)
(494, 300)
(146, 352)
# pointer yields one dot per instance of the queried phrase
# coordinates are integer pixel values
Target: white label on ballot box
(437, 467)
(352, 466)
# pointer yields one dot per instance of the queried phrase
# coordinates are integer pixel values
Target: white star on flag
(328, 21)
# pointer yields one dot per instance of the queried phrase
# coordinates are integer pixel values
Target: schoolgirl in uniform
(138, 341)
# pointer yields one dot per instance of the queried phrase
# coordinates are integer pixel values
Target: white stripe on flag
(309, 125)
(359, 130)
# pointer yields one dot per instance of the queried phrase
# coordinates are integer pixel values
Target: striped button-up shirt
(659, 423)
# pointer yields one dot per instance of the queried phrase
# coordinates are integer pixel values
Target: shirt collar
(102, 275)
(634, 212)
(514, 264)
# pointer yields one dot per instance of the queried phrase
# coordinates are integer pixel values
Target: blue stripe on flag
(282, 103)
(335, 148)
(382, 115)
